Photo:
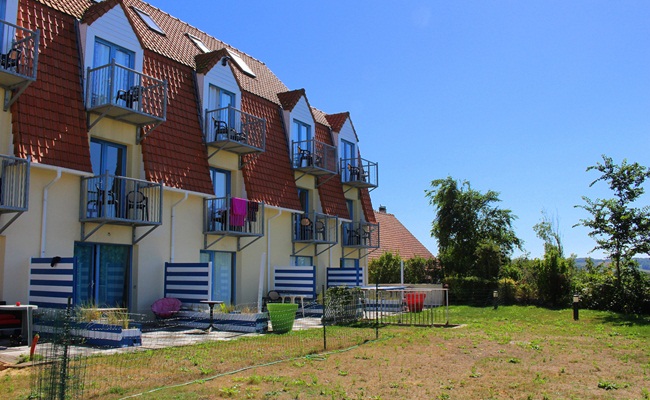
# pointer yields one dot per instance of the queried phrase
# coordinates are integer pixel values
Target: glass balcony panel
(314, 157)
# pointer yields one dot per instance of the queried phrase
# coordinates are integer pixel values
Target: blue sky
(519, 97)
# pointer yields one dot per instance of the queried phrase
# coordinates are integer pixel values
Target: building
(396, 239)
(130, 140)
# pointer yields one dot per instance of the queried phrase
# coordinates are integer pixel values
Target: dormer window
(241, 63)
(147, 19)
(198, 43)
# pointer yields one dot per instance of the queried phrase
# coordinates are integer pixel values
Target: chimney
(382, 209)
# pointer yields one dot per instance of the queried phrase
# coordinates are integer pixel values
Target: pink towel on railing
(238, 210)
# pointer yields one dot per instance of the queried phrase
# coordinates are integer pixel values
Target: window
(146, 18)
(105, 52)
(301, 131)
(303, 196)
(220, 99)
(107, 157)
(198, 43)
(223, 274)
(220, 182)
(349, 263)
(350, 204)
(241, 63)
(102, 274)
(302, 261)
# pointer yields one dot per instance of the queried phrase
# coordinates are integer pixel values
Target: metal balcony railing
(233, 216)
(359, 172)
(14, 184)
(315, 228)
(314, 157)
(125, 94)
(362, 235)
(18, 58)
(119, 200)
(234, 130)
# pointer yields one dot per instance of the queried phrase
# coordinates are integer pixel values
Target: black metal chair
(130, 96)
(95, 206)
(305, 155)
(11, 59)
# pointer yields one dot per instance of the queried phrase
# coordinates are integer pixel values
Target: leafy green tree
(468, 225)
(620, 229)
(548, 230)
(385, 269)
(421, 270)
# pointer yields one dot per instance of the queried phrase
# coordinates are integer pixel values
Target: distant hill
(644, 263)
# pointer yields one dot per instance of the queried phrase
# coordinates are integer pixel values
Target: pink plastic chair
(166, 307)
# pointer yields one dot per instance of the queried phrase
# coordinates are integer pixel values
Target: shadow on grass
(625, 320)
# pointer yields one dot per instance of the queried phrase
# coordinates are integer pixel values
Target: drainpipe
(268, 249)
(44, 213)
(172, 240)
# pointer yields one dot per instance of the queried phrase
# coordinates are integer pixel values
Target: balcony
(117, 200)
(14, 187)
(359, 173)
(18, 60)
(315, 228)
(235, 131)
(313, 157)
(126, 95)
(360, 235)
(232, 216)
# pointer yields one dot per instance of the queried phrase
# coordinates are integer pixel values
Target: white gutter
(172, 240)
(268, 247)
(60, 169)
(44, 212)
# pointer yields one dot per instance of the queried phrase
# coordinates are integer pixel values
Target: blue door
(223, 276)
(122, 79)
(102, 274)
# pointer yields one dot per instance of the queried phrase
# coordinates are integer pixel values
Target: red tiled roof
(49, 118)
(320, 117)
(366, 205)
(269, 177)
(395, 238)
(336, 121)
(205, 61)
(97, 10)
(289, 99)
(174, 152)
(331, 194)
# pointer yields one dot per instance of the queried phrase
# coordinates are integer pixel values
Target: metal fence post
(63, 375)
(377, 309)
(324, 319)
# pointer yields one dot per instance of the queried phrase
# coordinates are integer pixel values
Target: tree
(468, 226)
(620, 229)
(548, 230)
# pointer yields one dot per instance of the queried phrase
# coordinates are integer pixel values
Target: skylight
(146, 18)
(242, 64)
(198, 43)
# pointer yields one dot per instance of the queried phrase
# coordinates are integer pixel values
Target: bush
(470, 290)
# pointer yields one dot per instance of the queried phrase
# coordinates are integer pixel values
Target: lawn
(509, 353)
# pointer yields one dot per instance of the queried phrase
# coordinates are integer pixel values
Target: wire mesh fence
(109, 353)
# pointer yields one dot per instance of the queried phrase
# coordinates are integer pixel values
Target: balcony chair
(138, 201)
(319, 229)
(354, 239)
(304, 155)
(95, 207)
(130, 96)
(220, 128)
(305, 229)
(11, 59)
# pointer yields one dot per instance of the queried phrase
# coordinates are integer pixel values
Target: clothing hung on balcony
(253, 207)
(238, 211)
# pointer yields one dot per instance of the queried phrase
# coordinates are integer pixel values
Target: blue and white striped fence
(50, 286)
(188, 282)
(295, 281)
(350, 277)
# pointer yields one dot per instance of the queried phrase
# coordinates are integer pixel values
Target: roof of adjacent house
(397, 239)
(50, 119)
